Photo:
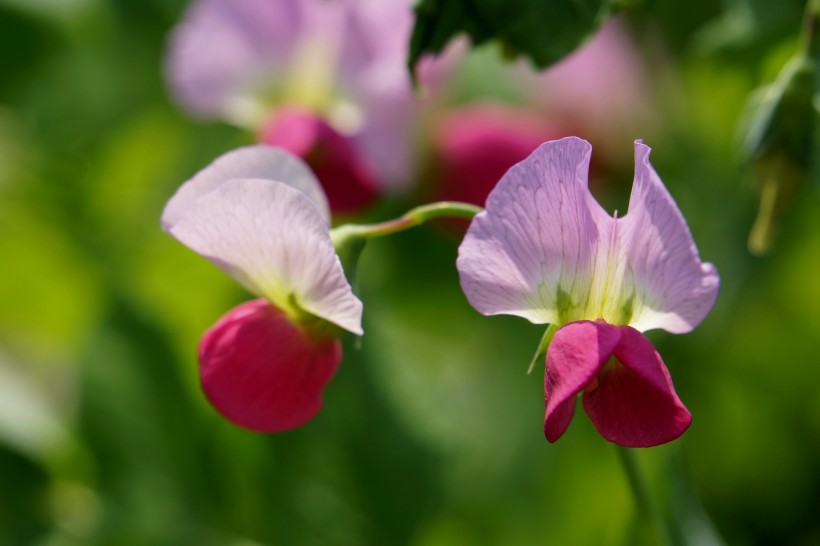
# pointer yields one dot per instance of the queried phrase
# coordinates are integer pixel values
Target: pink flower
(545, 250)
(602, 88)
(260, 215)
(475, 145)
(340, 64)
(601, 91)
(349, 180)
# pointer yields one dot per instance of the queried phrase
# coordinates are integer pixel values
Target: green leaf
(780, 135)
(779, 145)
(781, 116)
(542, 30)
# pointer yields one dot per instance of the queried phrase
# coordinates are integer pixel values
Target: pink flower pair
(543, 249)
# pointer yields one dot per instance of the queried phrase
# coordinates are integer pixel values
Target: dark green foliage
(542, 31)
(31, 41)
(781, 132)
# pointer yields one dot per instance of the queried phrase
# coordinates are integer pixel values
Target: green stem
(811, 18)
(643, 499)
(412, 218)
(542, 346)
(761, 235)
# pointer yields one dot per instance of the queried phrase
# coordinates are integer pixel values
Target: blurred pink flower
(348, 178)
(600, 91)
(545, 250)
(474, 146)
(340, 63)
(260, 215)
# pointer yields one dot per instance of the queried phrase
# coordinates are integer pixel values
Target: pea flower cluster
(543, 249)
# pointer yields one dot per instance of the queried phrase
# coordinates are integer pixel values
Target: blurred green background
(431, 434)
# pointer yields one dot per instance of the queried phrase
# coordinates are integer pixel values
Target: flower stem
(643, 499)
(808, 38)
(541, 351)
(412, 218)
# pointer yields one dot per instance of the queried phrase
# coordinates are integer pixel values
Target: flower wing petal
(532, 252)
(576, 353)
(261, 371)
(674, 289)
(635, 403)
(248, 162)
(273, 240)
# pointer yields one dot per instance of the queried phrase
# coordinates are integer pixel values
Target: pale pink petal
(375, 46)
(272, 239)
(262, 162)
(545, 250)
(575, 355)
(387, 136)
(674, 289)
(375, 71)
(532, 252)
(223, 50)
(261, 371)
(633, 402)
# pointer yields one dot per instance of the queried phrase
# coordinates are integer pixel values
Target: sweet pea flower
(260, 215)
(545, 250)
(332, 71)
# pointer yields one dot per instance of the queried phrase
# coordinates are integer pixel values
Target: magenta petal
(476, 145)
(575, 355)
(634, 403)
(347, 178)
(261, 371)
